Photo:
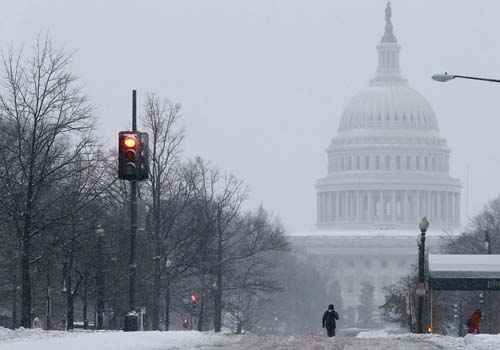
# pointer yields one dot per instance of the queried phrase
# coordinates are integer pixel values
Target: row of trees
(65, 216)
(455, 307)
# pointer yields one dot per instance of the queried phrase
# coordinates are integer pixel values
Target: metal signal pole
(133, 219)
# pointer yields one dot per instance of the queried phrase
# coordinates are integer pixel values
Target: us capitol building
(387, 168)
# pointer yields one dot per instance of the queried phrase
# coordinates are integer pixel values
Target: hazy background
(263, 83)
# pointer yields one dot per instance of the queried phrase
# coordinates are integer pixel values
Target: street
(339, 343)
(24, 339)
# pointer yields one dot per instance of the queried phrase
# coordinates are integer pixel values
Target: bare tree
(161, 120)
(48, 127)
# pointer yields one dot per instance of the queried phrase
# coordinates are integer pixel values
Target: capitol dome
(388, 106)
(388, 166)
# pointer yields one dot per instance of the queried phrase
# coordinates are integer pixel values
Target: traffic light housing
(133, 155)
(194, 299)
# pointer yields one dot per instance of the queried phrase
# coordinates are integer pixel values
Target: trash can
(131, 322)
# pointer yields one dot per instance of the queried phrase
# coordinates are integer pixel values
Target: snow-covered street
(189, 340)
(342, 343)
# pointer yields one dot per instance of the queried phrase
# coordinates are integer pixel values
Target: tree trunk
(86, 299)
(48, 321)
(70, 310)
(201, 313)
(155, 313)
(100, 284)
(14, 297)
(26, 281)
(218, 289)
(167, 304)
(218, 308)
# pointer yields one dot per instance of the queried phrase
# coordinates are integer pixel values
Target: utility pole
(133, 219)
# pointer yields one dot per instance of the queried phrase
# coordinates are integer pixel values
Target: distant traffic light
(133, 155)
(194, 299)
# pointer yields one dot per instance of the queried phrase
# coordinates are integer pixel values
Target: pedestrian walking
(330, 318)
(474, 322)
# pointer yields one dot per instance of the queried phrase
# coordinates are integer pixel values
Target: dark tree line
(65, 216)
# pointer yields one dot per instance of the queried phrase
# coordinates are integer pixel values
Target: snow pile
(444, 342)
(22, 333)
(6, 333)
(109, 340)
(482, 342)
(379, 333)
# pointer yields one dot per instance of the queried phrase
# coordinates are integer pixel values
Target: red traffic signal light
(129, 141)
(194, 298)
(133, 155)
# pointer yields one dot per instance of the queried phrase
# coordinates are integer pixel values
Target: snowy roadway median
(22, 339)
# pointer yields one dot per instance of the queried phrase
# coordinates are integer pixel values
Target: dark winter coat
(329, 318)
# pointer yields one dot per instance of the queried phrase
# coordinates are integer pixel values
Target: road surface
(337, 343)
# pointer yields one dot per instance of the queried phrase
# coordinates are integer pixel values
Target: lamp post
(487, 242)
(424, 225)
(168, 265)
(485, 294)
(487, 239)
(100, 282)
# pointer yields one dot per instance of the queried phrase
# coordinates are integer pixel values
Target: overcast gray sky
(263, 83)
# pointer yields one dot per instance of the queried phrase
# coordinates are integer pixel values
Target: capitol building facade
(387, 168)
(388, 165)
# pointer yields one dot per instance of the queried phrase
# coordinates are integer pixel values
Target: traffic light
(194, 299)
(133, 162)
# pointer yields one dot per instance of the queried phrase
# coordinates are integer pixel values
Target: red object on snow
(474, 322)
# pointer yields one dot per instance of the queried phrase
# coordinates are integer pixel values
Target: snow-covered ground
(470, 342)
(22, 339)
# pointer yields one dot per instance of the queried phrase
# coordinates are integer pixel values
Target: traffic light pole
(133, 219)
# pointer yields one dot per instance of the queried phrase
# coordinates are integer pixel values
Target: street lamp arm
(447, 77)
(477, 78)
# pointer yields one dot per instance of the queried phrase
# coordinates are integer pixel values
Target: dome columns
(398, 208)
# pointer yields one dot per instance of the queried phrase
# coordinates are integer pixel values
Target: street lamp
(424, 225)
(487, 242)
(484, 296)
(447, 77)
(168, 265)
(487, 239)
